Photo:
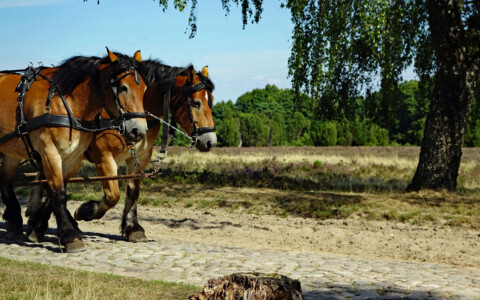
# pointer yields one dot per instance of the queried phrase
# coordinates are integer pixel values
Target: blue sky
(50, 31)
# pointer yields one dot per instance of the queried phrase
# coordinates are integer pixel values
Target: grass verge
(25, 280)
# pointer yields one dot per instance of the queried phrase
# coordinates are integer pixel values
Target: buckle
(22, 129)
(162, 154)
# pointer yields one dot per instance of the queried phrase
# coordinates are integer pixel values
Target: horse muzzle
(135, 130)
(206, 141)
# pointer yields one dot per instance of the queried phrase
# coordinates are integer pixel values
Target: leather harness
(29, 76)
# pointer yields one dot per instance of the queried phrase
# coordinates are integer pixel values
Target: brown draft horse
(83, 87)
(191, 106)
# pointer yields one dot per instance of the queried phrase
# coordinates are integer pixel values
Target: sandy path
(378, 240)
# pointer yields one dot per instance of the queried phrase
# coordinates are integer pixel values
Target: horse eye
(124, 89)
(196, 104)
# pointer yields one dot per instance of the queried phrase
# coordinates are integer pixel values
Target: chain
(133, 152)
(173, 127)
(157, 163)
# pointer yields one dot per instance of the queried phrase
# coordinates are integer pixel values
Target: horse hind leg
(12, 214)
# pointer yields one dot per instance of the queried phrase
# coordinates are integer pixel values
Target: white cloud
(276, 81)
(259, 77)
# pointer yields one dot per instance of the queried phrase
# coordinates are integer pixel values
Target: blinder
(210, 102)
(113, 84)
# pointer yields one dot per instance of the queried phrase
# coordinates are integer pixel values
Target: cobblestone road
(321, 276)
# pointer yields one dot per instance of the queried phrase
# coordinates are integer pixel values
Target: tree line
(278, 117)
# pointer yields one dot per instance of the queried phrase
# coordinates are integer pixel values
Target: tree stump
(251, 286)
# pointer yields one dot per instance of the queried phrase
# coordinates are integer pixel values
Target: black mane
(165, 75)
(208, 83)
(75, 70)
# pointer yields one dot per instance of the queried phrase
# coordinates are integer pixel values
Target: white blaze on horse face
(136, 128)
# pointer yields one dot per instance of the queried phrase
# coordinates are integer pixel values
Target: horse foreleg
(12, 214)
(96, 209)
(67, 228)
(39, 210)
(130, 226)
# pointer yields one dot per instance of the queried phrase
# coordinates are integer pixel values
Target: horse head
(124, 88)
(192, 105)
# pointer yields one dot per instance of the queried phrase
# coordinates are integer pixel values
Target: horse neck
(154, 96)
(153, 100)
(85, 102)
(164, 76)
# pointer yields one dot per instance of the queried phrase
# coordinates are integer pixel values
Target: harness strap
(57, 121)
(29, 75)
(134, 115)
(165, 129)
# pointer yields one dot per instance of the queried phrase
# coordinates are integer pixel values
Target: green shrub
(227, 133)
(329, 134)
(360, 133)
(297, 126)
(253, 130)
(344, 133)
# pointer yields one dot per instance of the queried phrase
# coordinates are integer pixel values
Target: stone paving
(322, 276)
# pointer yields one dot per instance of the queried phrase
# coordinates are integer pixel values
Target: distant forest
(281, 117)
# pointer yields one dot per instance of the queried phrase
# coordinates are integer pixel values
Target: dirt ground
(383, 240)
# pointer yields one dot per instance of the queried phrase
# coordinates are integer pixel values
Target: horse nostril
(135, 132)
(209, 145)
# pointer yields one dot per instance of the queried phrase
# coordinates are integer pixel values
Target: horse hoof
(13, 230)
(79, 215)
(76, 245)
(88, 211)
(34, 237)
(136, 237)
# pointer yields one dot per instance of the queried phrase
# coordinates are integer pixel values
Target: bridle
(186, 99)
(169, 129)
(114, 83)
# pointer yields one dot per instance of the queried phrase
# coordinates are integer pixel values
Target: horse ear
(191, 74)
(204, 71)
(138, 56)
(112, 55)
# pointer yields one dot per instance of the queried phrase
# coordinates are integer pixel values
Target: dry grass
(427, 207)
(348, 182)
(322, 182)
(388, 156)
(22, 280)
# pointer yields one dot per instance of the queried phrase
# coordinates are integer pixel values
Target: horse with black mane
(52, 118)
(181, 91)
